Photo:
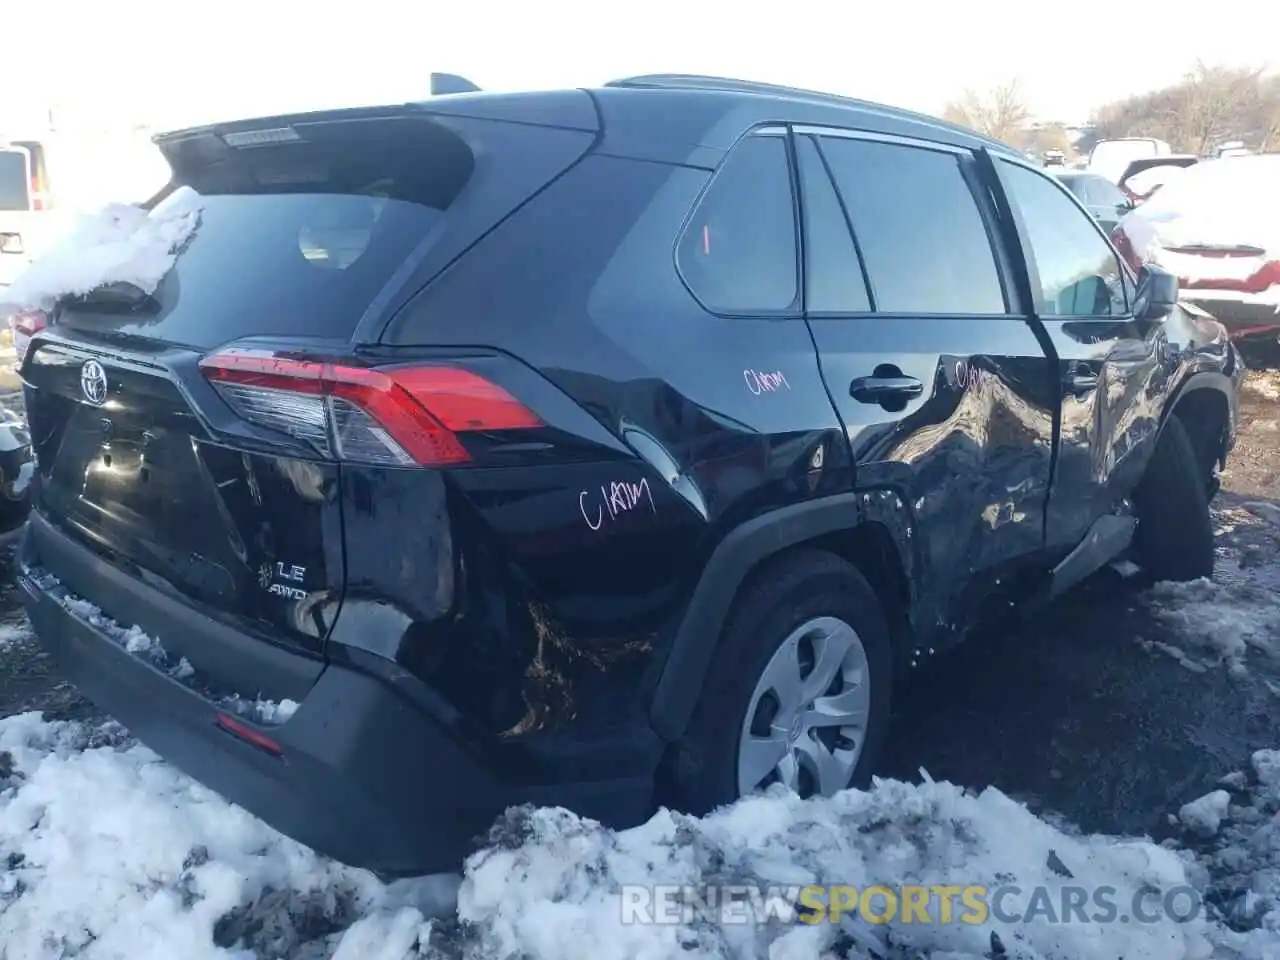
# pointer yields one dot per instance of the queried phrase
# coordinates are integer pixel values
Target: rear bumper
(364, 774)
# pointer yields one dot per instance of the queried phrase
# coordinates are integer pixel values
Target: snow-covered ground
(107, 852)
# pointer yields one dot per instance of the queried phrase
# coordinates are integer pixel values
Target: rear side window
(13, 181)
(738, 252)
(1079, 273)
(922, 237)
(834, 279)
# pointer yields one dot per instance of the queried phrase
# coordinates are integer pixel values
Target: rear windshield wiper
(121, 293)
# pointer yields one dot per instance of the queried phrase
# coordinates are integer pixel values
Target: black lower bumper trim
(364, 776)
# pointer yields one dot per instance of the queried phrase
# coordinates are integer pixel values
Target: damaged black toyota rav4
(604, 448)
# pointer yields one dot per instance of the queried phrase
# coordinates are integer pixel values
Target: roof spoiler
(443, 83)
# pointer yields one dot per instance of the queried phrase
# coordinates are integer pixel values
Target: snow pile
(119, 244)
(1205, 814)
(555, 893)
(1219, 622)
(106, 852)
(13, 633)
(148, 648)
(1242, 861)
(1202, 206)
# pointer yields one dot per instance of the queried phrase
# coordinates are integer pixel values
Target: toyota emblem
(93, 382)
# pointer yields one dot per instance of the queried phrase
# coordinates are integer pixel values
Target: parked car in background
(1103, 198)
(1232, 148)
(1217, 228)
(1109, 158)
(1145, 176)
(457, 424)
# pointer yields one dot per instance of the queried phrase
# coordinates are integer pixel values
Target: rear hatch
(197, 436)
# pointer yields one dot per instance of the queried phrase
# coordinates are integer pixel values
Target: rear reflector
(249, 735)
(397, 416)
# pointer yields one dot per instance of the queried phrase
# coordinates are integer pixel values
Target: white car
(1217, 228)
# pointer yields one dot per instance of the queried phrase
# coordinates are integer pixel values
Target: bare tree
(1002, 113)
(1210, 104)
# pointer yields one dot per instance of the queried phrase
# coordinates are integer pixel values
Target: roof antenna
(442, 83)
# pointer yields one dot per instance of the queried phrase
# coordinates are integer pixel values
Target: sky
(168, 64)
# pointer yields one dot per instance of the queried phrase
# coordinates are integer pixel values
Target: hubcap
(807, 719)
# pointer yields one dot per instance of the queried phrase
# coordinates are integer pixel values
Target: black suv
(604, 448)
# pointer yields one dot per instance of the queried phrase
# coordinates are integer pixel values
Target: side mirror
(1157, 294)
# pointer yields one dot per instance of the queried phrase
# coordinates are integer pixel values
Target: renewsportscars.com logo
(975, 904)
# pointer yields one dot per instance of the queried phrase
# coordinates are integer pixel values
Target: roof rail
(693, 81)
(442, 83)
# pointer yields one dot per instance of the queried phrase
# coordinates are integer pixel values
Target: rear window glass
(298, 240)
(13, 181)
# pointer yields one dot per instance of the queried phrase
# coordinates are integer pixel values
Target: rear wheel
(797, 692)
(1174, 538)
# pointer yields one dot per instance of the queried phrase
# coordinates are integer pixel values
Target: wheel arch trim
(740, 552)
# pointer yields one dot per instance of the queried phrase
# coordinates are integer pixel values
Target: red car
(1217, 228)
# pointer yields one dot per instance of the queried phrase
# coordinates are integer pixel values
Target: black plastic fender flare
(1207, 380)
(742, 549)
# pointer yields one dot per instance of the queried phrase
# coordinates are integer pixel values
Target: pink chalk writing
(967, 377)
(759, 381)
(616, 499)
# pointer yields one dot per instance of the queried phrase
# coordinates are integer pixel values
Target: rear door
(1106, 360)
(221, 476)
(946, 394)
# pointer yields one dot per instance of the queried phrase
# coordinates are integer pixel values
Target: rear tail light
(398, 416)
(28, 322)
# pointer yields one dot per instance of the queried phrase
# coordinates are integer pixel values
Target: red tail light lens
(399, 416)
(28, 322)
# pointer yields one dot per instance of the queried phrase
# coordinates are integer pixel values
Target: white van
(1110, 158)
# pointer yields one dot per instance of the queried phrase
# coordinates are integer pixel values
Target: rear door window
(15, 183)
(834, 282)
(921, 234)
(738, 252)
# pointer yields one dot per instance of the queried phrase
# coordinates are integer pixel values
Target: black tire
(1174, 538)
(701, 770)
